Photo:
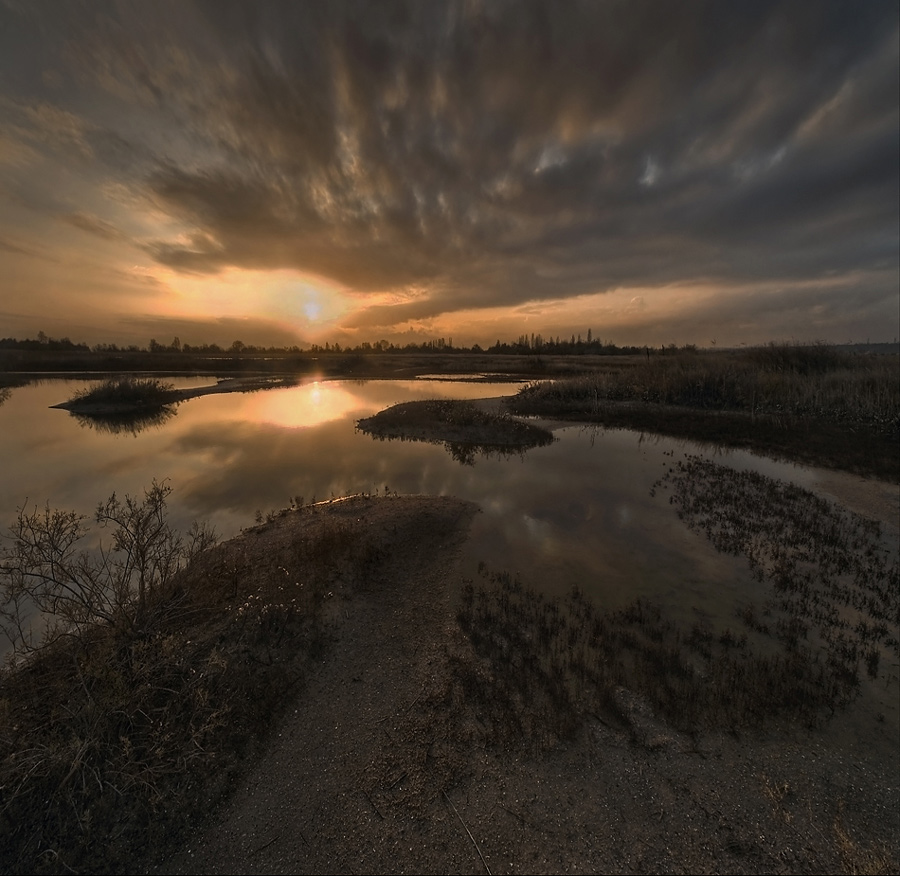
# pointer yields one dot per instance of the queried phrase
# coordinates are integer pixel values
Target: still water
(578, 511)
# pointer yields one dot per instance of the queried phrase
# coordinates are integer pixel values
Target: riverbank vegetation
(165, 660)
(812, 403)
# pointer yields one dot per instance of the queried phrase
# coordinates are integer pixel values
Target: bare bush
(51, 586)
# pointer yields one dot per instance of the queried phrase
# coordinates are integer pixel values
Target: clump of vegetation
(461, 426)
(831, 577)
(125, 392)
(154, 663)
(120, 586)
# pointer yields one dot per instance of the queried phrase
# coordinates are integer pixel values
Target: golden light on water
(309, 405)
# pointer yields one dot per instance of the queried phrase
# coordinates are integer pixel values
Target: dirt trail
(380, 764)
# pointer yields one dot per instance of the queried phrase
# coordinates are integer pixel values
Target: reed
(781, 381)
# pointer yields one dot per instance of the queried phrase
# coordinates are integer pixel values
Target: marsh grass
(780, 381)
(830, 576)
(829, 613)
(810, 402)
(548, 664)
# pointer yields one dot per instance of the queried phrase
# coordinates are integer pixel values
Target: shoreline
(380, 759)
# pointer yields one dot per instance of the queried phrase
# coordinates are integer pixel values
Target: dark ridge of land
(27, 364)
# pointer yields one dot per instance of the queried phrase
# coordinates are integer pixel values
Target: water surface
(579, 511)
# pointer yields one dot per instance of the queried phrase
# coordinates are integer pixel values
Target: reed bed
(784, 382)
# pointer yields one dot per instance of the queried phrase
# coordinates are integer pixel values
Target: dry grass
(779, 381)
(810, 403)
(109, 736)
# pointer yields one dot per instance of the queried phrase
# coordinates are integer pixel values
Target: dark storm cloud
(482, 154)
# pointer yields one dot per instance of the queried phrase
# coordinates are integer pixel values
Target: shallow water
(579, 511)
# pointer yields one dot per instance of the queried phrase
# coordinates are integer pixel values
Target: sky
(714, 173)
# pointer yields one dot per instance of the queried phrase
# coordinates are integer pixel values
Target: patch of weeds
(831, 579)
(546, 664)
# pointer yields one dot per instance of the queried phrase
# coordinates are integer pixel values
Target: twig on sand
(466, 829)
(266, 845)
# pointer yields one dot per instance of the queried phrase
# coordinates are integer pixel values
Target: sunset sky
(305, 172)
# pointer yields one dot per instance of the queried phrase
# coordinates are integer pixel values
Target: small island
(454, 422)
(126, 394)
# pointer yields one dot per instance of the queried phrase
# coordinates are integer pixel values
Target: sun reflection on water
(310, 405)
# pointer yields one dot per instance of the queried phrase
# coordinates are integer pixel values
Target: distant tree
(237, 347)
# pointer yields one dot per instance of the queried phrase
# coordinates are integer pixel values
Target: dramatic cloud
(434, 160)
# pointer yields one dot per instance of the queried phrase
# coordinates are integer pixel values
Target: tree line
(525, 344)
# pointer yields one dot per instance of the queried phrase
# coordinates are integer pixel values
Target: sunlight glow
(284, 296)
(309, 405)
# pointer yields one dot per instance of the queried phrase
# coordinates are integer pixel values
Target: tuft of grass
(127, 392)
(859, 860)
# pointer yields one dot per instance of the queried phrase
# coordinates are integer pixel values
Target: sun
(286, 297)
